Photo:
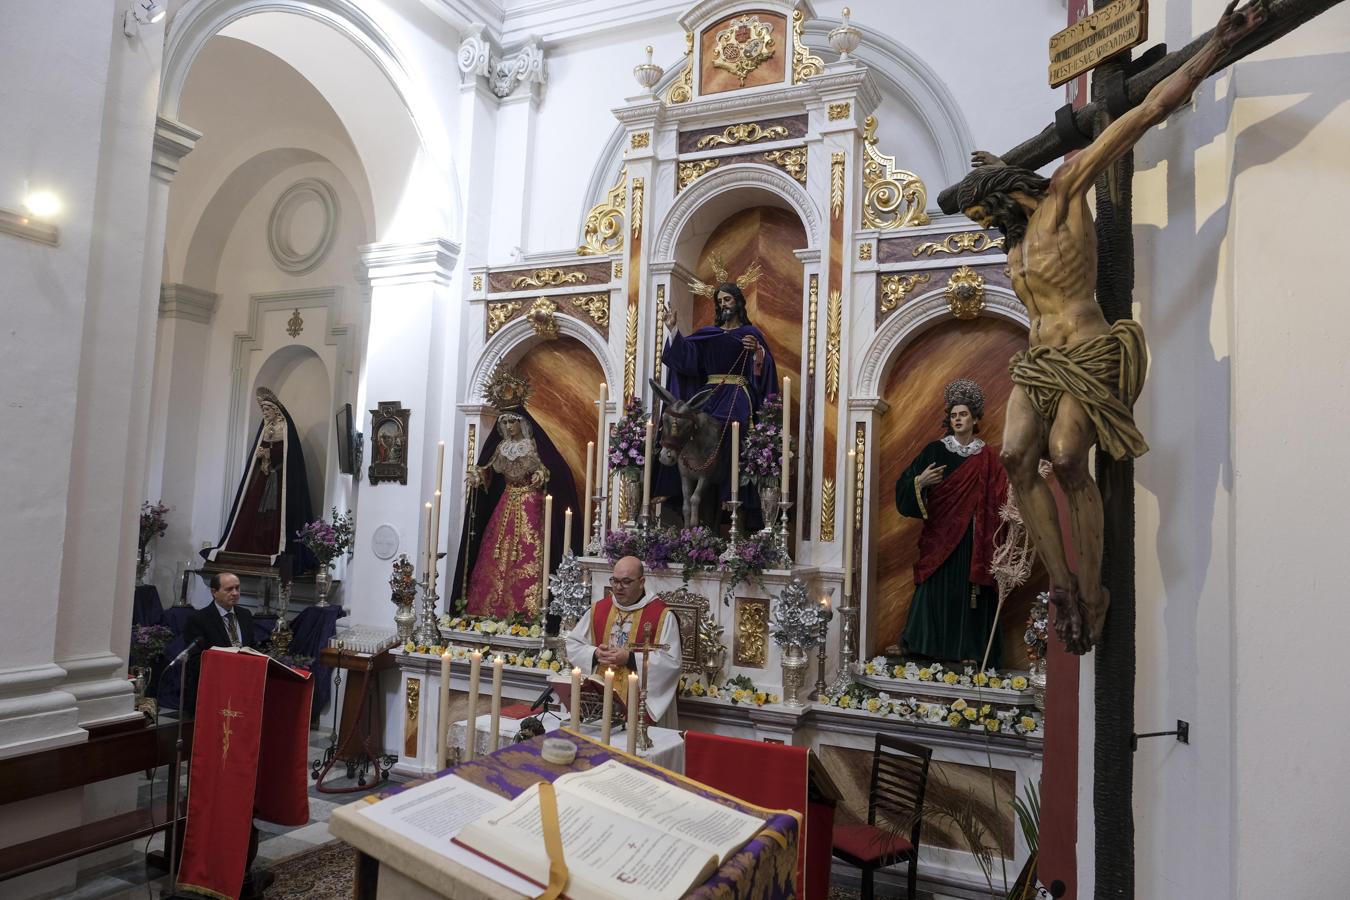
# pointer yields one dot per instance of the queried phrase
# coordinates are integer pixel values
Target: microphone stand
(171, 847)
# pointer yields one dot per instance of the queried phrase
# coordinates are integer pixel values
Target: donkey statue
(692, 439)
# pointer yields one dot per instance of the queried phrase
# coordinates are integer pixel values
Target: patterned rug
(328, 872)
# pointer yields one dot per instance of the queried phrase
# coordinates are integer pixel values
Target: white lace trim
(955, 446)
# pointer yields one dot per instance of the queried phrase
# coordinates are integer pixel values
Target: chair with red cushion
(899, 778)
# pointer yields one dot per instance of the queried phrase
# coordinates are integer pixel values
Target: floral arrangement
(762, 446)
(1038, 628)
(515, 626)
(147, 643)
(628, 441)
(154, 522)
(753, 554)
(795, 620)
(329, 541)
(934, 672)
(700, 550)
(696, 549)
(959, 713)
(526, 659)
(739, 689)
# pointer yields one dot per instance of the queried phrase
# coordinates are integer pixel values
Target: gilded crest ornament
(965, 293)
(295, 324)
(542, 318)
(743, 46)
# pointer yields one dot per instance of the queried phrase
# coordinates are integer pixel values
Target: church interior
(864, 427)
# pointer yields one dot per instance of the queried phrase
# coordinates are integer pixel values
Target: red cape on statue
(974, 491)
(248, 759)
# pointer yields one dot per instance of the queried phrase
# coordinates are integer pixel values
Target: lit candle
(647, 470)
(607, 710)
(735, 461)
(494, 728)
(848, 525)
(426, 552)
(632, 712)
(586, 498)
(567, 530)
(443, 719)
(471, 727)
(576, 698)
(548, 541)
(784, 479)
(435, 535)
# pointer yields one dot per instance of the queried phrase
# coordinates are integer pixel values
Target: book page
(607, 856)
(713, 826)
(433, 813)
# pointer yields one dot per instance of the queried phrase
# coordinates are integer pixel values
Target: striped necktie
(233, 628)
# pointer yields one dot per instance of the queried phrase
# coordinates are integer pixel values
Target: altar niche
(975, 349)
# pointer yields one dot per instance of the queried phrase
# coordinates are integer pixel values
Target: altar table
(390, 867)
(667, 750)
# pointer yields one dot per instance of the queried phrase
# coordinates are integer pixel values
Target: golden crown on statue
(505, 389)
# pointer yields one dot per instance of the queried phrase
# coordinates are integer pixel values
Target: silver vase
(1037, 680)
(405, 618)
(143, 560)
(794, 674)
(630, 498)
(323, 583)
(768, 502)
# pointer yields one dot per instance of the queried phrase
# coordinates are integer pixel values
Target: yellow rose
(554, 666)
(773, 698)
(1028, 724)
(981, 679)
(898, 671)
(984, 710)
(713, 691)
(954, 720)
(822, 699)
(959, 705)
(991, 725)
(697, 689)
(969, 714)
(760, 698)
(951, 678)
(925, 674)
(1019, 683)
(410, 647)
(996, 682)
(873, 704)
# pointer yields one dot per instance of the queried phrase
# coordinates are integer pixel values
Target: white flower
(488, 627)
(546, 655)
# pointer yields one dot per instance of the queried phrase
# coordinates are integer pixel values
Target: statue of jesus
(1078, 380)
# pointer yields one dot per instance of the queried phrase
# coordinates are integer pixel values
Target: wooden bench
(98, 759)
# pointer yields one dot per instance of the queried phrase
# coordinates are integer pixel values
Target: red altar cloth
(775, 776)
(248, 758)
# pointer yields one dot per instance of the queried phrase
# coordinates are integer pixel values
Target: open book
(625, 834)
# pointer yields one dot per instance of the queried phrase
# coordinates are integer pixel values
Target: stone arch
(516, 337)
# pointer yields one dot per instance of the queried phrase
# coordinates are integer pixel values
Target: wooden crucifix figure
(1076, 383)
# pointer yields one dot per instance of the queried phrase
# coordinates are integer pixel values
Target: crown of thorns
(964, 392)
(719, 267)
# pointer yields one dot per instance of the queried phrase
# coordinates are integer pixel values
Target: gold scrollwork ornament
(865, 251)
(837, 184)
(893, 198)
(743, 133)
(965, 242)
(792, 161)
(641, 139)
(752, 631)
(804, 65)
(743, 46)
(501, 313)
(549, 278)
(895, 288)
(689, 172)
(965, 293)
(834, 317)
(827, 493)
(681, 90)
(603, 231)
(543, 318)
(839, 111)
(596, 306)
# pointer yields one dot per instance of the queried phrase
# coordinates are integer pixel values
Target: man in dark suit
(220, 623)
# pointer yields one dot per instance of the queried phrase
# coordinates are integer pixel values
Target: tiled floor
(126, 878)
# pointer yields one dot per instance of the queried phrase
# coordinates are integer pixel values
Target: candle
(471, 729)
(787, 435)
(495, 727)
(548, 541)
(632, 712)
(567, 530)
(647, 470)
(601, 448)
(659, 504)
(848, 525)
(576, 698)
(586, 498)
(443, 719)
(426, 552)
(435, 536)
(735, 461)
(607, 710)
(440, 464)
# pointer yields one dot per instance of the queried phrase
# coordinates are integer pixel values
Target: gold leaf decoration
(478, 282)
(660, 330)
(865, 251)
(839, 111)
(542, 316)
(965, 242)
(827, 510)
(689, 172)
(744, 133)
(965, 293)
(641, 139)
(594, 305)
(630, 352)
(894, 289)
(637, 207)
(837, 184)
(859, 472)
(743, 46)
(501, 313)
(792, 161)
(834, 316)
(804, 65)
(752, 632)
(549, 278)
(681, 90)
(603, 231)
(893, 198)
(811, 325)
(618, 268)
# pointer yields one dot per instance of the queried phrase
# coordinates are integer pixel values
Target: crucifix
(644, 741)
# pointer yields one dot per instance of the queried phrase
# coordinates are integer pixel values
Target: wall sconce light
(142, 12)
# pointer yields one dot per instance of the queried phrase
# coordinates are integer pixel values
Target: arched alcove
(301, 382)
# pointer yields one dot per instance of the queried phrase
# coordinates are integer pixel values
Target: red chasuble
(974, 491)
(611, 624)
(248, 758)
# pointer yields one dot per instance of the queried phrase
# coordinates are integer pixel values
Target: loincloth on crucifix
(1105, 374)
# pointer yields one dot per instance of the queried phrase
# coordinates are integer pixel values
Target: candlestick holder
(826, 614)
(734, 538)
(428, 633)
(848, 652)
(597, 545)
(644, 740)
(780, 540)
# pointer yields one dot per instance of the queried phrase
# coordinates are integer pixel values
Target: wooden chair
(899, 778)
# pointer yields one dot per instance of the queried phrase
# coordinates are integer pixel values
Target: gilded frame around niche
(388, 443)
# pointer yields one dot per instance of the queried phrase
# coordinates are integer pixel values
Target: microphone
(187, 651)
(542, 700)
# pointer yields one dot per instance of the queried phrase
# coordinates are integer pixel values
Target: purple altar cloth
(764, 869)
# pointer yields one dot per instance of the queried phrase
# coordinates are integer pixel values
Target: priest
(603, 637)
